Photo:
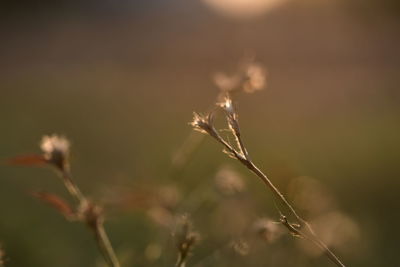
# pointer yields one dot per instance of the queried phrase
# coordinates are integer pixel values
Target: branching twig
(56, 152)
(249, 77)
(205, 124)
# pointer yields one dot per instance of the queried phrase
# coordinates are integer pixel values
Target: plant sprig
(205, 124)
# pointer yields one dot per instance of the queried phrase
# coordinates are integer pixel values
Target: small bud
(56, 151)
(232, 116)
(227, 105)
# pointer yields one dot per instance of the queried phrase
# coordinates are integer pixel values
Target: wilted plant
(249, 77)
(238, 151)
(185, 238)
(56, 150)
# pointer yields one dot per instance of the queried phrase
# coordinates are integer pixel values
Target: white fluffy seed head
(56, 150)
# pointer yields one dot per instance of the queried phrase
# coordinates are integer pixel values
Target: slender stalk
(72, 188)
(245, 160)
(314, 238)
(241, 154)
(105, 245)
(97, 225)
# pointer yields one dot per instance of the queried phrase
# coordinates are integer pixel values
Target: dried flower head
(231, 115)
(202, 123)
(56, 151)
(229, 182)
(227, 105)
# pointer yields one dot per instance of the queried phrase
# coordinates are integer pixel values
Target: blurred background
(121, 79)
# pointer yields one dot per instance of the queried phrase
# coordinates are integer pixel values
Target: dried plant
(238, 151)
(186, 239)
(56, 151)
(249, 77)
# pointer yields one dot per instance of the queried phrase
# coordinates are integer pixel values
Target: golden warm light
(201, 133)
(243, 8)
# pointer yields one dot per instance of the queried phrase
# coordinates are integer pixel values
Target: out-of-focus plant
(56, 150)
(186, 238)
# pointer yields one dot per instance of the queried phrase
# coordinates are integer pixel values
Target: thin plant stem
(241, 154)
(105, 245)
(72, 188)
(244, 159)
(101, 236)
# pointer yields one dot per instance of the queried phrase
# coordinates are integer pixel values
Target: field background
(121, 79)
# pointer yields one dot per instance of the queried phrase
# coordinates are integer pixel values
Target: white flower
(56, 150)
